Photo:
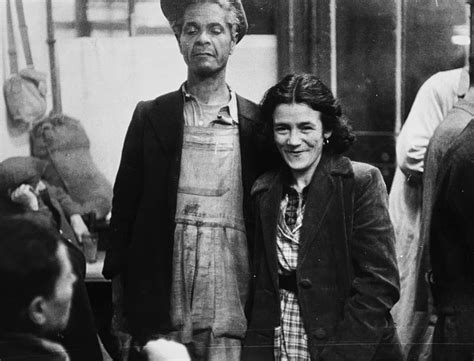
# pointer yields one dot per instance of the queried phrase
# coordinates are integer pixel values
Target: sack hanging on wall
(24, 90)
(63, 143)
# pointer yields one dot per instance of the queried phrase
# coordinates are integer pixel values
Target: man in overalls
(181, 226)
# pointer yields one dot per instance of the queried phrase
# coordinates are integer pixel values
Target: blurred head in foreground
(36, 277)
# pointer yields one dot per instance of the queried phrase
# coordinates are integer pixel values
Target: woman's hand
(25, 196)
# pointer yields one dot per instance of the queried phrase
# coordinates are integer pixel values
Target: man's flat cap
(174, 10)
(15, 171)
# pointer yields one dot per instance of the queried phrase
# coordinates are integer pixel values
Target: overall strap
(11, 41)
(24, 33)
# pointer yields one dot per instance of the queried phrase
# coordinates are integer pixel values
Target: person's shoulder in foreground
(37, 287)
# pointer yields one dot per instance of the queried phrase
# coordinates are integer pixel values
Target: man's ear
(37, 311)
(234, 35)
(179, 43)
(233, 42)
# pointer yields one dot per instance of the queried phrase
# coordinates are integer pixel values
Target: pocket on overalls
(206, 170)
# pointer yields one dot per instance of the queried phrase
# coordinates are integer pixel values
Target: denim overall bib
(210, 265)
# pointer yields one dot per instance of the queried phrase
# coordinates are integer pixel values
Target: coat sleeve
(460, 197)
(69, 206)
(375, 286)
(128, 189)
(432, 102)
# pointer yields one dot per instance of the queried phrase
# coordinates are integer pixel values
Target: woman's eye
(280, 130)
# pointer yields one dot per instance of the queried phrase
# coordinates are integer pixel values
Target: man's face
(58, 306)
(206, 40)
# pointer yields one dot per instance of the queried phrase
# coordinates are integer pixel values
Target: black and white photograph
(237, 180)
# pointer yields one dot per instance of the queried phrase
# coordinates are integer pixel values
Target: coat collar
(320, 195)
(329, 164)
(167, 119)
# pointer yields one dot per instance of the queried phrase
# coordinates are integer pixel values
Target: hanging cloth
(24, 90)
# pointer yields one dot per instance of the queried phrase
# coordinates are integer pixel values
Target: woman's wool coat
(347, 276)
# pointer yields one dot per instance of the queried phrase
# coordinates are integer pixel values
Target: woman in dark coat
(325, 272)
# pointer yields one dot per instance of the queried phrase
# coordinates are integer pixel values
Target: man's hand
(25, 196)
(79, 227)
(164, 350)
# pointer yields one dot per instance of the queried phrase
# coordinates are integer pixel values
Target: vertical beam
(399, 64)
(83, 26)
(333, 32)
(131, 18)
(293, 33)
(471, 45)
(320, 40)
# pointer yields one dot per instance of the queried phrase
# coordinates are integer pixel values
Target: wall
(102, 79)
(375, 55)
(11, 141)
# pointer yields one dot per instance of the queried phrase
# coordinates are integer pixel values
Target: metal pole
(55, 85)
(471, 46)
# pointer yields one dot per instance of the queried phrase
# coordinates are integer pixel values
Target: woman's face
(299, 136)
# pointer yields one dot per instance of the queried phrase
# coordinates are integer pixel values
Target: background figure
(433, 101)
(180, 225)
(443, 138)
(325, 273)
(452, 249)
(37, 288)
(23, 192)
(23, 175)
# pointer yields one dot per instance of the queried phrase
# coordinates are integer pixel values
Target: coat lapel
(167, 122)
(319, 198)
(247, 114)
(269, 212)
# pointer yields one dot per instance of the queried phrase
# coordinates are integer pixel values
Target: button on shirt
(199, 114)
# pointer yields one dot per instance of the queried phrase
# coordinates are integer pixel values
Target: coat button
(320, 333)
(306, 283)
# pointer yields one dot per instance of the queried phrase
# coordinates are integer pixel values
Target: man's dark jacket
(144, 204)
(452, 251)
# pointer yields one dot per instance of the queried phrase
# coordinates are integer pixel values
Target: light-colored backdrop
(103, 78)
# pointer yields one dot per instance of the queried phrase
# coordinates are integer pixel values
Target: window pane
(115, 18)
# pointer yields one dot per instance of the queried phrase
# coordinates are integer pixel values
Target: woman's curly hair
(308, 89)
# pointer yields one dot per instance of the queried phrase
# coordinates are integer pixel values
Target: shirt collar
(232, 102)
(288, 188)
